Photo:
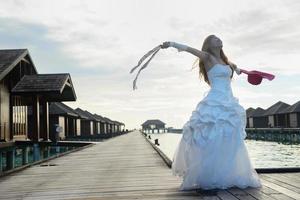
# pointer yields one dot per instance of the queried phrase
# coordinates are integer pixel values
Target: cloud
(46, 54)
(261, 37)
(98, 42)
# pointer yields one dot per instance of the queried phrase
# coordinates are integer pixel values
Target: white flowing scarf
(153, 52)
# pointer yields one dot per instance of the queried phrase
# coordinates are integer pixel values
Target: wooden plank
(240, 194)
(124, 167)
(287, 183)
(225, 195)
(295, 176)
(281, 189)
(257, 194)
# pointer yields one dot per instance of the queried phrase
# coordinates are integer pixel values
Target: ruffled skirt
(212, 153)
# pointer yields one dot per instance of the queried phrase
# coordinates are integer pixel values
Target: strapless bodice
(219, 77)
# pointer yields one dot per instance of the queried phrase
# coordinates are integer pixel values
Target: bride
(212, 153)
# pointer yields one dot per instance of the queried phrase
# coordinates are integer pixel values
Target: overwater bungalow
(103, 124)
(277, 118)
(257, 119)
(119, 126)
(65, 117)
(292, 115)
(154, 125)
(115, 126)
(122, 126)
(86, 123)
(248, 114)
(25, 96)
(109, 125)
(95, 122)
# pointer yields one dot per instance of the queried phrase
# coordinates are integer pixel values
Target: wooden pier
(126, 167)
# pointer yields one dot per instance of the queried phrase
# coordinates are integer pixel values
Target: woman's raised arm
(236, 69)
(181, 47)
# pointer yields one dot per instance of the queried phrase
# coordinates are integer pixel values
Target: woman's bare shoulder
(208, 61)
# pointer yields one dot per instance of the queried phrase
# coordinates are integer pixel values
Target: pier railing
(283, 135)
(95, 137)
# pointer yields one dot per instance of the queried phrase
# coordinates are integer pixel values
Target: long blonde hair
(202, 70)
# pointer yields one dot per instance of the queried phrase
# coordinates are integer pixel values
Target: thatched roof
(54, 87)
(58, 108)
(91, 116)
(276, 108)
(108, 120)
(118, 123)
(100, 118)
(258, 112)
(121, 123)
(153, 121)
(249, 111)
(82, 114)
(9, 58)
(293, 108)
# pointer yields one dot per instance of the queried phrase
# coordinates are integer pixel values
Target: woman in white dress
(212, 153)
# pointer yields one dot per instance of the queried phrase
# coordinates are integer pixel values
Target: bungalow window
(19, 109)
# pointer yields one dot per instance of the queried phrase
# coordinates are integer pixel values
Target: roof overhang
(21, 56)
(52, 87)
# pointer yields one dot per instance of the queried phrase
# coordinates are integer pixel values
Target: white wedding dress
(212, 152)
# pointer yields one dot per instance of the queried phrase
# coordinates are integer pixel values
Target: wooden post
(11, 103)
(36, 152)
(25, 155)
(1, 168)
(67, 130)
(10, 159)
(46, 152)
(74, 127)
(45, 121)
(35, 118)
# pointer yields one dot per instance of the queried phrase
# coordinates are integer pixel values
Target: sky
(99, 41)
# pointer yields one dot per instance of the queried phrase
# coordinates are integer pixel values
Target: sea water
(263, 154)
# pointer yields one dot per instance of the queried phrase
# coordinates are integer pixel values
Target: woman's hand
(238, 71)
(178, 46)
(165, 45)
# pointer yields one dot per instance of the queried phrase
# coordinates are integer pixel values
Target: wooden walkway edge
(125, 167)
